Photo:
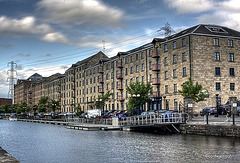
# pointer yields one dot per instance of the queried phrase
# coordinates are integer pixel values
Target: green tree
(79, 110)
(101, 100)
(42, 104)
(138, 89)
(190, 90)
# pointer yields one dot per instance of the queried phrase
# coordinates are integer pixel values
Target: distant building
(5, 101)
(208, 54)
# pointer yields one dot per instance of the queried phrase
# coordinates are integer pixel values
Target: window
(150, 65)
(166, 88)
(218, 86)
(150, 77)
(231, 57)
(131, 58)
(112, 65)
(131, 70)
(184, 57)
(143, 79)
(126, 71)
(175, 104)
(126, 82)
(107, 66)
(112, 75)
(217, 56)
(174, 59)
(216, 42)
(232, 86)
(136, 78)
(165, 61)
(183, 42)
(142, 66)
(150, 53)
(126, 60)
(174, 73)
(126, 94)
(165, 47)
(230, 43)
(131, 80)
(136, 68)
(142, 55)
(174, 45)
(217, 71)
(107, 76)
(112, 85)
(175, 88)
(136, 56)
(166, 75)
(231, 71)
(184, 71)
(94, 80)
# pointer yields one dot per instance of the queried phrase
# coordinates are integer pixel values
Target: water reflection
(30, 142)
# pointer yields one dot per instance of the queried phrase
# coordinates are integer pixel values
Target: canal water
(46, 143)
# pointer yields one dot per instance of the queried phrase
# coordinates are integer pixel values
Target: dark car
(209, 111)
(170, 116)
(222, 109)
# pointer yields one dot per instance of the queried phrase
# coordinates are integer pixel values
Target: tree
(101, 100)
(190, 90)
(140, 89)
(79, 110)
(42, 104)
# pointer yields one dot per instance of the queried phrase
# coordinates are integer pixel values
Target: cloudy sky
(47, 36)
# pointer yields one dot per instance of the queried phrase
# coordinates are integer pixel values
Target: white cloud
(81, 12)
(55, 37)
(190, 6)
(225, 13)
(26, 25)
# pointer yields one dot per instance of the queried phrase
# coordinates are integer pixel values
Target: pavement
(6, 158)
(221, 120)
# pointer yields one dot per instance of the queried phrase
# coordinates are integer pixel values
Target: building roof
(203, 29)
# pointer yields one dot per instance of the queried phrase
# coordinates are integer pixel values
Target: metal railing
(152, 119)
(102, 121)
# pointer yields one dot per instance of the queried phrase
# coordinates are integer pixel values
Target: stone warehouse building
(208, 54)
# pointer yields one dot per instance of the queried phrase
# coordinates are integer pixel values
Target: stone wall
(210, 130)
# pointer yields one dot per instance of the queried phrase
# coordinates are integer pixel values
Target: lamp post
(217, 101)
(137, 96)
(72, 107)
(54, 106)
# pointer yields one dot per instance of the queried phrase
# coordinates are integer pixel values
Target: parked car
(83, 115)
(222, 109)
(40, 115)
(209, 111)
(170, 116)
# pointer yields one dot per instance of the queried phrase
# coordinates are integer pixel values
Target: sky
(48, 36)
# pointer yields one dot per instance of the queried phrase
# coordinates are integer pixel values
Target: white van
(93, 113)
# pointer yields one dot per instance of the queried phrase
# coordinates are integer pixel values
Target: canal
(45, 143)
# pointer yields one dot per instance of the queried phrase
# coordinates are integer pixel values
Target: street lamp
(217, 103)
(72, 107)
(54, 106)
(137, 96)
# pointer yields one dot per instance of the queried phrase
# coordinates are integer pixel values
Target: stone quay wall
(210, 130)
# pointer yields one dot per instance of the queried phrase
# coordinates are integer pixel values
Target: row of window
(217, 43)
(218, 71)
(184, 58)
(174, 44)
(218, 86)
(217, 57)
(184, 73)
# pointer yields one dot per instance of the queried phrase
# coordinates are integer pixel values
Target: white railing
(152, 119)
(90, 121)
